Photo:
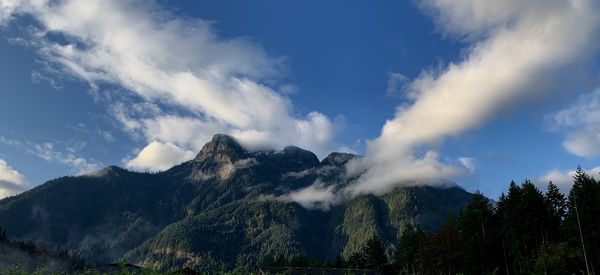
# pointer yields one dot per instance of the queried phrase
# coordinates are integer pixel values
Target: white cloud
(315, 196)
(219, 84)
(517, 47)
(185, 132)
(11, 181)
(376, 177)
(584, 142)
(582, 122)
(158, 156)
(564, 178)
(468, 163)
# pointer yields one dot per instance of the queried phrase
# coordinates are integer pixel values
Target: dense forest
(525, 232)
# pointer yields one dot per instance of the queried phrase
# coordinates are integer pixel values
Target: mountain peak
(221, 145)
(338, 159)
(295, 158)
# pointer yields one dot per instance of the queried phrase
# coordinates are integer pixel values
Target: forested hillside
(214, 212)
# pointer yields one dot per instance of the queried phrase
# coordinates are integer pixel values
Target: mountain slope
(211, 212)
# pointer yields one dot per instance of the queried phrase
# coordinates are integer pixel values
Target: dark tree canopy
(526, 232)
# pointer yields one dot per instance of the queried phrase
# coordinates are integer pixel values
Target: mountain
(217, 211)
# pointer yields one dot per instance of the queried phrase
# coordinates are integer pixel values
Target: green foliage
(582, 223)
(376, 257)
(408, 246)
(371, 256)
(299, 261)
(557, 209)
(441, 251)
(480, 234)
(527, 232)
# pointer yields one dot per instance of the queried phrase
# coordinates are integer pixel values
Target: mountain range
(218, 211)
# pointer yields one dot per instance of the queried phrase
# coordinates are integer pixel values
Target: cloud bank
(11, 181)
(204, 83)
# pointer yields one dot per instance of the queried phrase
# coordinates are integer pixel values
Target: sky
(477, 92)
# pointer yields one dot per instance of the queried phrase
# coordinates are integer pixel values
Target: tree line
(526, 231)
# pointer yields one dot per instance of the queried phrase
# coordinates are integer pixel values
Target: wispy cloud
(396, 84)
(49, 151)
(38, 77)
(229, 84)
(11, 181)
(581, 122)
(468, 163)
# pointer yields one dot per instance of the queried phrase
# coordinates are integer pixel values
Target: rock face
(214, 212)
(221, 148)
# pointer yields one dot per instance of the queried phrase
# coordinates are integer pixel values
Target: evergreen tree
(524, 213)
(556, 206)
(375, 254)
(357, 259)
(505, 261)
(299, 261)
(3, 237)
(281, 261)
(476, 224)
(340, 262)
(267, 261)
(441, 251)
(582, 223)
(411, 241)
(372, 256)
(316, 262)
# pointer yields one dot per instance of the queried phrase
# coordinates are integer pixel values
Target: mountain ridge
(208, 213)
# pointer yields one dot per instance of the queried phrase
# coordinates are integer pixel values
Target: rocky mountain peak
(221, 147)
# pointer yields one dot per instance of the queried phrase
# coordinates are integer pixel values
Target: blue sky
(144, 85)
